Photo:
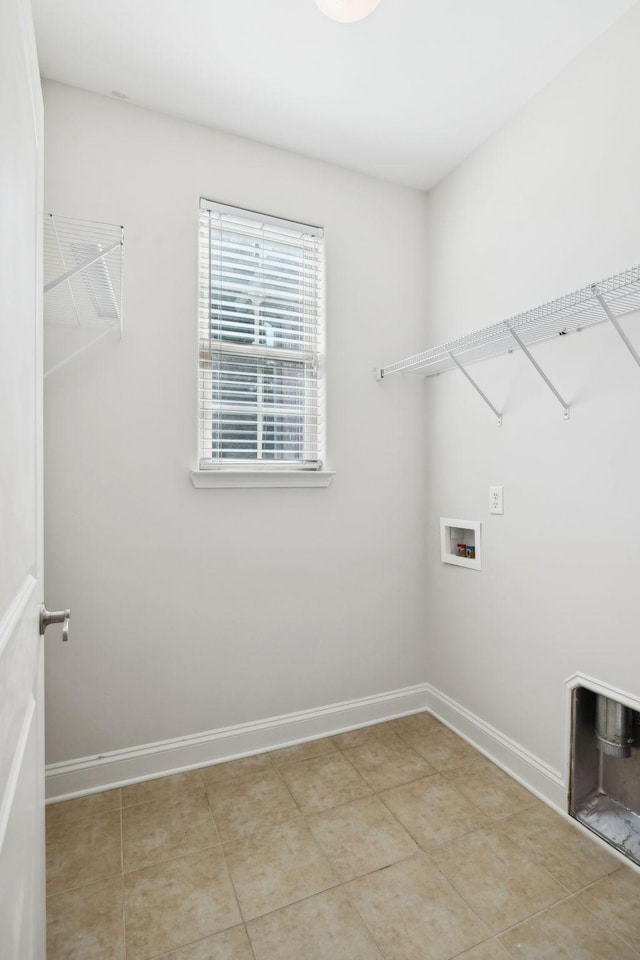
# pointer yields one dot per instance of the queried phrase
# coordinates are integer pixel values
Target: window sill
(203, 479)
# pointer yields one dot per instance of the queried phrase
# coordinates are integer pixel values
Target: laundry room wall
(196, 610)
(547, 205)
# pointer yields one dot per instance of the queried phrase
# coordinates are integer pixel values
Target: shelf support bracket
(536, 365)
(476, 387)
(616, 326)
(81, 266)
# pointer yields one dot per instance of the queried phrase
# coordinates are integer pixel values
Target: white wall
(197, 609)
(549, 204)
(190, 611)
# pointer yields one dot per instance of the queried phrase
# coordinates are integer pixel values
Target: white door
(22, 890)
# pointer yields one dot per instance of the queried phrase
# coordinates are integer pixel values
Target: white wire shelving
(609, 300)
(82, 263)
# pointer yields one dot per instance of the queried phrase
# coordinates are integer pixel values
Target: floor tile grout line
(551, 906)
(191, 943)
(489, 822)
(533, 916)
(492, 822)
(298, 803)
(597, 918)
(184, 852)
(427, 853)
(468, 905)
(412, 779)
(169, 799)
(338, 885)
(442, 772)
(261, 830)
(71, 825)
(483, 826)
(257, 776)
(336, 749)
(492, 939)
(124, 910)
(309, 896)
(325, 753)
(514, 813)
(443, 843)
(372, 793)
(211, 846)
(125, 870)
(303, 814)
(548, 873)
(267, 753)
(233, 886)
(404, 783)
(594, 883)
(75, 820)
(83, 886)
(290, 792)
(88, 883)
(535, 861)
(227, 781)
(353, 767)
(304, 817)
(400, 824)
(178, 856)
(243, 919)
(250, 837)
(496, 934)
(253, 953)
(492, 819)
(181, 794)
(625, 942)
(121, 842)
(181, 946)
(213, 819)
(539, 862)
(355, 905)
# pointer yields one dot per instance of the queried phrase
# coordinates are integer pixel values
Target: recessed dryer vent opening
(605, 770)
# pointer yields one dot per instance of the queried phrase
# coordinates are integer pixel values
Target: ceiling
(404, 95)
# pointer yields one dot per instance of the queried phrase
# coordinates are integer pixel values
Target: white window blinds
(261, 340)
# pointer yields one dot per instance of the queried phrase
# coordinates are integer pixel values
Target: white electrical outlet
(496, 500)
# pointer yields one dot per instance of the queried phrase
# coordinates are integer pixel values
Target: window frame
(240, 471)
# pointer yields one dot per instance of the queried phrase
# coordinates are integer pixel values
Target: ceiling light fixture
(347, 11)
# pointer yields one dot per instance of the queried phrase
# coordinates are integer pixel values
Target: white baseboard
(74, 778)
(534, 774)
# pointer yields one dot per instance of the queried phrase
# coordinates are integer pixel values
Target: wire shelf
(609, 299)
(82, 263)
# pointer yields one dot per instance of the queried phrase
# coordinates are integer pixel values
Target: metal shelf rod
(476, 387)
(616, 326)
(76, 353)
(64, 264)
(536, 365)
(608, 299)
(81, 266)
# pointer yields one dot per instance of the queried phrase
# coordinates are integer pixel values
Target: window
(261, 335)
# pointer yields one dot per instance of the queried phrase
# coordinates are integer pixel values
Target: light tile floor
(394, 842)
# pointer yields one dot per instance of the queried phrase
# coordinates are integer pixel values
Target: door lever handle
(47, 617)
